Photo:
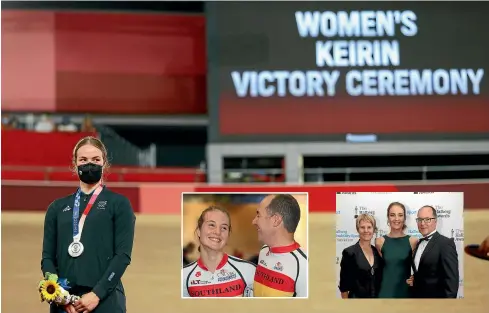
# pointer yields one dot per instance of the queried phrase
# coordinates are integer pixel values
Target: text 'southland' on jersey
(233, 278)
(281, 272)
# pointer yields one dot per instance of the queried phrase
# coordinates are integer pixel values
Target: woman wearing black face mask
(88, 236)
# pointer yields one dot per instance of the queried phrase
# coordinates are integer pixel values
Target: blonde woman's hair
(92, 141)
(366, 218)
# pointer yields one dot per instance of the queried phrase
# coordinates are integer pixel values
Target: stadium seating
(46, 157)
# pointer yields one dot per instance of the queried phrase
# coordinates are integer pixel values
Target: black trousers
(114, 303)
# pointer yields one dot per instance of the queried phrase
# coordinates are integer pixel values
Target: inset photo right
(399, 245)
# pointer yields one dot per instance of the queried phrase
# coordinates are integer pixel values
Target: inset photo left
(244, 245)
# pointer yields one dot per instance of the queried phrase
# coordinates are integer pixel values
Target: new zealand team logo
(101, 205)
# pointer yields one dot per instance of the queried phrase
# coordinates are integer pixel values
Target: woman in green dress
(396, 248)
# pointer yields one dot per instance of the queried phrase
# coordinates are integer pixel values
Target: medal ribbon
(78, 226)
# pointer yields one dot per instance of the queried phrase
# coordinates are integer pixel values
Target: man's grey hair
(288, 208)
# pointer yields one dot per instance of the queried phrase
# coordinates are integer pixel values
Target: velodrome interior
(152, 281)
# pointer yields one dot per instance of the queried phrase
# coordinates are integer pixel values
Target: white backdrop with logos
(449, 207)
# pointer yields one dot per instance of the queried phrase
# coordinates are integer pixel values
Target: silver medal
(75, 249)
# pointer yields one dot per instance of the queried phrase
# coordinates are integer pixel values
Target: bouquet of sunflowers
(54, 290)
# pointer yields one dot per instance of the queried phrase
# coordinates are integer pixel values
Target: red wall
(45, 149)
(103, 62)
(28, 64)
(144, 197)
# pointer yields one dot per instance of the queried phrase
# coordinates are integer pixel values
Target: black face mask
(90, 173)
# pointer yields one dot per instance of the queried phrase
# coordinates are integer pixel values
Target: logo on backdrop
(421, 193)
(346, 193)
(380, 233)
(359, 210)
(414, 233)
(457, 234)
(337, 260)
(412, 212)
(441, 212)
(344, 236)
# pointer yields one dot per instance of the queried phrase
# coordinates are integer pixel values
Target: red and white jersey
(281, 272)
(233, 278)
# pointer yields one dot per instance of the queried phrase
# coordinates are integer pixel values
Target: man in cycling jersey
(282, 264)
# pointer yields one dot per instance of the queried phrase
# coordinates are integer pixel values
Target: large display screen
(348, 69)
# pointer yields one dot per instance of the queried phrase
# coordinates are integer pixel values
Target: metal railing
(147, 157)
(397, 169)
(122, 152)
(274, 175)
(115, 173)
(237, 174)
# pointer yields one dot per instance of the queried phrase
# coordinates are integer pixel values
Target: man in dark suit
(435, 260)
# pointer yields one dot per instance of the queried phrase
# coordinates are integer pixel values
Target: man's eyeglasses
(426, 220)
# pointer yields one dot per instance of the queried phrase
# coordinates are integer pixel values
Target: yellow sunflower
(49, 290)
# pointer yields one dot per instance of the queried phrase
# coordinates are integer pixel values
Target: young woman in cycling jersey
(215, 273)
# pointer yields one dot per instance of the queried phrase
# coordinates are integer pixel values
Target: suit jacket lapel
(358, 251)
(361, 257)
(428, 247)
(413, 265)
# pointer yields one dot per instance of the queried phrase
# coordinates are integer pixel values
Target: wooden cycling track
(152, 281)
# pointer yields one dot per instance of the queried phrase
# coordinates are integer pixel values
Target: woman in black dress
(361, 264)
